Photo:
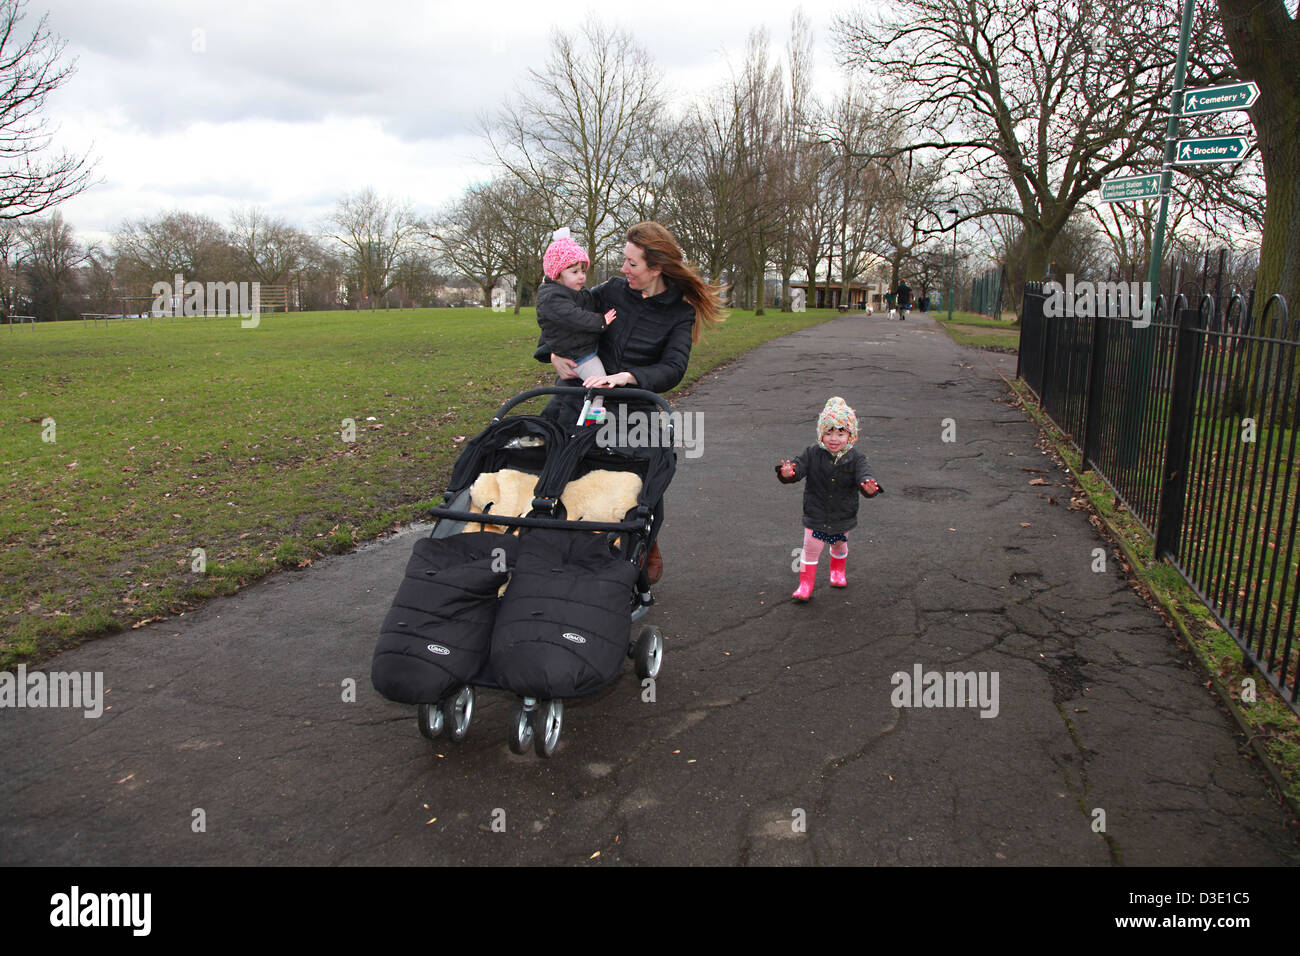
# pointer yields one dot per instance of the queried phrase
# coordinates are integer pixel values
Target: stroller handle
(621, 392)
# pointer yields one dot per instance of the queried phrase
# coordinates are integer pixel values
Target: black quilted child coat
(830, 497)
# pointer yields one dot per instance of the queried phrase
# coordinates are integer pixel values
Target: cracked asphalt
(772, 736)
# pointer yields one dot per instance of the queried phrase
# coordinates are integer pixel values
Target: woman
(662, 305)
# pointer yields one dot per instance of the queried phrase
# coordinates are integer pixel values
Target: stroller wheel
(548, 720)
(520, 732)
(649, 652)
(459, 712)
(429, 719)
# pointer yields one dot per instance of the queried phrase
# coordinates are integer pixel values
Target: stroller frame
(535, 721)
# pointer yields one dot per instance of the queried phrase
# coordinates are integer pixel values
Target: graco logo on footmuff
(438, 649)
(576, 638)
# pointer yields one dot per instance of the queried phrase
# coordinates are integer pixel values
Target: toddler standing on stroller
(836, 473)
(564, 311)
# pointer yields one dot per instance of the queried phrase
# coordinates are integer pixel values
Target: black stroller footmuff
(574, 583)
(438, 632)
(562, 624)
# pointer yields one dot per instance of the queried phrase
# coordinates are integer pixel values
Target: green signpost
(1142, 355)
(1127, 188)
(1186, 152)
(1216, 99)
(1211, 149)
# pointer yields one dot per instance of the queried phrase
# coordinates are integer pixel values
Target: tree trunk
(1037, 252)
(830, 266)
(1265, 43)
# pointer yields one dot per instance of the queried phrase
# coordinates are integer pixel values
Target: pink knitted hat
(562, 253)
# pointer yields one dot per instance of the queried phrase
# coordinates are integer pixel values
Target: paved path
(773, 736)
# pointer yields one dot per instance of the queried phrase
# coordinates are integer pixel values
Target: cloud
(290, 105)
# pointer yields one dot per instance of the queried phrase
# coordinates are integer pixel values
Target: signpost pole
(1171, 146)
(1143, 335)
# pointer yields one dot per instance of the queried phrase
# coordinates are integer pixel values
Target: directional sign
(1126, 188)
(1211, 149)
(1216, 99)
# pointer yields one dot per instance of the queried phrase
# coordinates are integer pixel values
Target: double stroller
(534, 574)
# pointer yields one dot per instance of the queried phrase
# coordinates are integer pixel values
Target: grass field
(981, 331)
(149, 465)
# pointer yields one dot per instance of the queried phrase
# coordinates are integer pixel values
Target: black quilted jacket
(830, 499)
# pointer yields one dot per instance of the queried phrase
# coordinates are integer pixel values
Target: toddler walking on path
(836, 473)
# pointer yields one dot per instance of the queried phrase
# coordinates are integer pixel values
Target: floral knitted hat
(562, 253)
(837, 414)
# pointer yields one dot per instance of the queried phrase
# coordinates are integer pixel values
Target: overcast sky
(289, 105)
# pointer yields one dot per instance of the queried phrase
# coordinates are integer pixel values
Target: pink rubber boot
(837, 572)
(807, 576)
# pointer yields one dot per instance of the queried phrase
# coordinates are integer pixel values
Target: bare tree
(577, 137)
(857, 136)
(1130, 228)
(706, 193)
(13, 287)
(663, 161)
(470, 238)
(98, 284)
(50, 259)
(910, 210)
(795, 168)
(1031, 92)
(320, 282)
(524, 234)
(813, 213)
(29, 72)
(757, 99)
(184, 243)
(267, 249)
(374, 234)
(416, 281)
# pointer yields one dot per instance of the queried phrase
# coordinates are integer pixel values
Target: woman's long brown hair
(663, 253)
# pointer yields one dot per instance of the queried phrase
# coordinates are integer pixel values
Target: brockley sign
(1211, 149)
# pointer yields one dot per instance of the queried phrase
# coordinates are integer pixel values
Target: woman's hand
(565, 368)
(610, 381)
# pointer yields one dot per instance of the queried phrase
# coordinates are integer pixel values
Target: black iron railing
(1192, 419)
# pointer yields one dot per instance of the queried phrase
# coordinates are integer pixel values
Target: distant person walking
(904, 293)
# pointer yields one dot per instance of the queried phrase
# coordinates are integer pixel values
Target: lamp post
(952, 272)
